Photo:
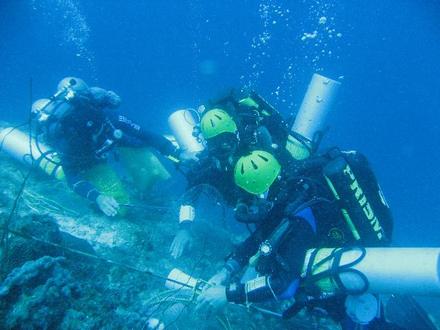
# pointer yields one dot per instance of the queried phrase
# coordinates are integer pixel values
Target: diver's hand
(108, 205)
(212, 298)
(181, 242)
(221, 278)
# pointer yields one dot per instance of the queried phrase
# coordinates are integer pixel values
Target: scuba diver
(214, 168)
(82, 125)
(231, 128)
(327, 200)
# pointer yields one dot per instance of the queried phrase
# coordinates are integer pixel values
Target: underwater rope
(95, 257)
(132, 268)
(45, 204)
(4, 241)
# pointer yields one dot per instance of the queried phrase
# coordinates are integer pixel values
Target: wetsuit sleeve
(73, 170)
(147, 138)
(79, 184)
(197, 175)
(286, 264)
(244, 251)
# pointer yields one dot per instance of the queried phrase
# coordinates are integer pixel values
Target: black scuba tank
(362, 204)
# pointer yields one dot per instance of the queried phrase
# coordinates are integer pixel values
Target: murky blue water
(162, 55)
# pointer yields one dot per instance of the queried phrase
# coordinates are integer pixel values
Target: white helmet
(75, 84)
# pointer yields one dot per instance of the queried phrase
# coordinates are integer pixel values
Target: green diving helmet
(256, 172)
(217, 121)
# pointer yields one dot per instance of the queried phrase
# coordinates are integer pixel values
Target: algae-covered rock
(37, 294)
(46, 231)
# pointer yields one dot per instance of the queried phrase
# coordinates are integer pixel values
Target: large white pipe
(312, 115)
(413, 271)
(182, 125)
(16, 143)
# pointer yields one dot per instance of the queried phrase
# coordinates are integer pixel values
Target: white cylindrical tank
(318, 101)
(182, 125)
(16, 143)
(413, 271)
(176, 276)
(312, 115)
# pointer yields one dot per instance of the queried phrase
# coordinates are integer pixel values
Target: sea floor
(54, 275)
(66, 266)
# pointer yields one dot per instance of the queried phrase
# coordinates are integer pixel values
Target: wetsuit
(89, 131)
(208, 171)
(218, 172)
(259, 123)
(260, 127)
(308, 213)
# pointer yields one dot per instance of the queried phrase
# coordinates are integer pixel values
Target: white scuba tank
(413, 271)
(182, 124)
(312, 115)
(16, 143)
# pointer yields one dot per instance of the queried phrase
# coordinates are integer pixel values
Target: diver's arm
(184, 238)
(260, 289)
(243, 252)
(157, 141)
(289, 246)
(263, 288)
(187, 213)
(107, 204)
(148, 138)
(79, 184)
(197, 175)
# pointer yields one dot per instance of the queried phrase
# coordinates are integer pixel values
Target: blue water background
(162, 55)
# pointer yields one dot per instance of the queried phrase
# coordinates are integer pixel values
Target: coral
(22, 249)
(46, 229)
(23, 275)
(37, 294)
